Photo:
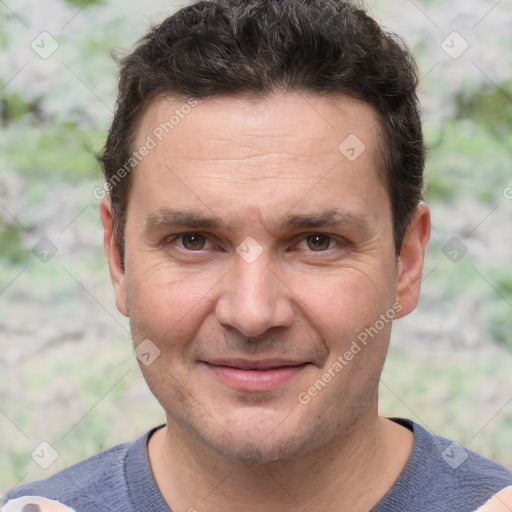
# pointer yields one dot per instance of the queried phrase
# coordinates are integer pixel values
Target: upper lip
(248, 364)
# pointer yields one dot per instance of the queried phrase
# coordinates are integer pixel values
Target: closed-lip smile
(254, 375)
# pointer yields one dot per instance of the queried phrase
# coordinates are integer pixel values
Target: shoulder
(444, 476)
(96, 479)
(464, 479)
(457, 464)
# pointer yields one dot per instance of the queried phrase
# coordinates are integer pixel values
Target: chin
(262, 435)
(256, 450)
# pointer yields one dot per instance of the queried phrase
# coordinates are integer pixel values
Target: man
(264, 227)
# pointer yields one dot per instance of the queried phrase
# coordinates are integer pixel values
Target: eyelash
(332, 239)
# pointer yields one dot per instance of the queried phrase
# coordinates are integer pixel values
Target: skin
(500, 502)
(251, 163)
(32, 502)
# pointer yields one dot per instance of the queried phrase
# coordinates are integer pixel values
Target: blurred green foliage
(466, 160)
(13, 251)
(84, 3)
(499, 318)
(64, 150)
(489, 107)
(13, 105)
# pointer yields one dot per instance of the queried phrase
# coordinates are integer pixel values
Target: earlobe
(115, 263)
(410, 261)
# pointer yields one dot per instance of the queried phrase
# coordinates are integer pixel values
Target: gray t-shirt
(440, 476)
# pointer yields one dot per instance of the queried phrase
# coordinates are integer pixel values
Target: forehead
(250, 150)
(277, 121)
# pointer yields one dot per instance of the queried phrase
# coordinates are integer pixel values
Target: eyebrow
(168, 217)
(334, 217)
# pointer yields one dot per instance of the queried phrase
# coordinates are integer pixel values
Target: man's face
(258, 250)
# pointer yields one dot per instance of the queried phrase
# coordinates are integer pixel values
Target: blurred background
(69, 377)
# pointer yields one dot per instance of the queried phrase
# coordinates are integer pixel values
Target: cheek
(342, 306)
(165, 305)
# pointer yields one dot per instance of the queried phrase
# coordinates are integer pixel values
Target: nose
(254, 299)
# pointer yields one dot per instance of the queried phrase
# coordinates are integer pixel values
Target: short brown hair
(227, 47)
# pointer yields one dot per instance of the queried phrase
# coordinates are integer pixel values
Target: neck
(351, 472)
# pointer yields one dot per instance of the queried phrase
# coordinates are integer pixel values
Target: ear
(115, 263)
(410, 262)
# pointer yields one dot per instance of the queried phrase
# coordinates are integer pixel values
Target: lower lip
(255, 380)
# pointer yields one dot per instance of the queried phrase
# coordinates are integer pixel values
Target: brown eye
(318, 242)
(194, 241)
